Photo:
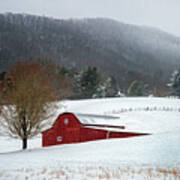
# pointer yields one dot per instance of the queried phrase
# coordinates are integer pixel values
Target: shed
(75, 128)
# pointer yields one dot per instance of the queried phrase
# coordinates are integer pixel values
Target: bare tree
(27, 98)
(61, 83)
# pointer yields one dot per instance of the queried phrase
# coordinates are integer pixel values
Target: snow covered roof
(94, 119)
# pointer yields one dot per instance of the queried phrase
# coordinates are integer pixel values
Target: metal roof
(95, 119)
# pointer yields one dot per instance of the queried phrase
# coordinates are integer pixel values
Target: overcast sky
(163, 14)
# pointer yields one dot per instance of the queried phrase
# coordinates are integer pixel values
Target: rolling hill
(147, 157)
(125, 51)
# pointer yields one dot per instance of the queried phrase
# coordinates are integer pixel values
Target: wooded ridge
(125, 51)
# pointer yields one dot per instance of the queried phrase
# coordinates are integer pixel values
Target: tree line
(127, 52)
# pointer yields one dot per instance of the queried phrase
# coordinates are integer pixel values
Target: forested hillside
(126, 52)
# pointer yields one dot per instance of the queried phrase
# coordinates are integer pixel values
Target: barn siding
(63, 133)
(49, 137)
(124, 134)
(73, 131)
(88, 134)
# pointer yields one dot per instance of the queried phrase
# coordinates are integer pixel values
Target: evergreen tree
(89, 82)
(76, 79)
(107, 88)
(2, 75)
(136, 88)
(175, 83)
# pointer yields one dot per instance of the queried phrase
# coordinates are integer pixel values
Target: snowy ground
(150, 157)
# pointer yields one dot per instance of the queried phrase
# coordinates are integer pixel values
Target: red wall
(73, 131)
(49, 138)
(63, 132)
(88, 134)
(124, 134)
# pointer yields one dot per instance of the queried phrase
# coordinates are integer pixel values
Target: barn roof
(123, 130)
(94, 119)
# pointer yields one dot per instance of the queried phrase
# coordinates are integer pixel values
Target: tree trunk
(24, 141)
(24, 127)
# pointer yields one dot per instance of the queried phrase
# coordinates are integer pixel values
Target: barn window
(66, 121)
(59, 138)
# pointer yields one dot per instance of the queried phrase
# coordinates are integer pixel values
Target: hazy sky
(163, 14)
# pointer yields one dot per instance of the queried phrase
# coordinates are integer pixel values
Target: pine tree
(107, 88)
(136, 89)
(175, 83)
(2, 75)
(89, 82)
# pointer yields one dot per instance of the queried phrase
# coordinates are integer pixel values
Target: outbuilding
(75, 128)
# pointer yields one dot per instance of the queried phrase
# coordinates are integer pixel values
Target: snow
(156, 156)
(98, 119)
(141, 115)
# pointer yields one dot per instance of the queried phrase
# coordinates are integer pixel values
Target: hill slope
(147, 157)
(128, 52)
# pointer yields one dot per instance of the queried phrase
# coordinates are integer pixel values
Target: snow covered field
(148, 157)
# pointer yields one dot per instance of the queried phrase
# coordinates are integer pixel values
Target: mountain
(127, 52)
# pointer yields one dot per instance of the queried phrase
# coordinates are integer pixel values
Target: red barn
(74, 128)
